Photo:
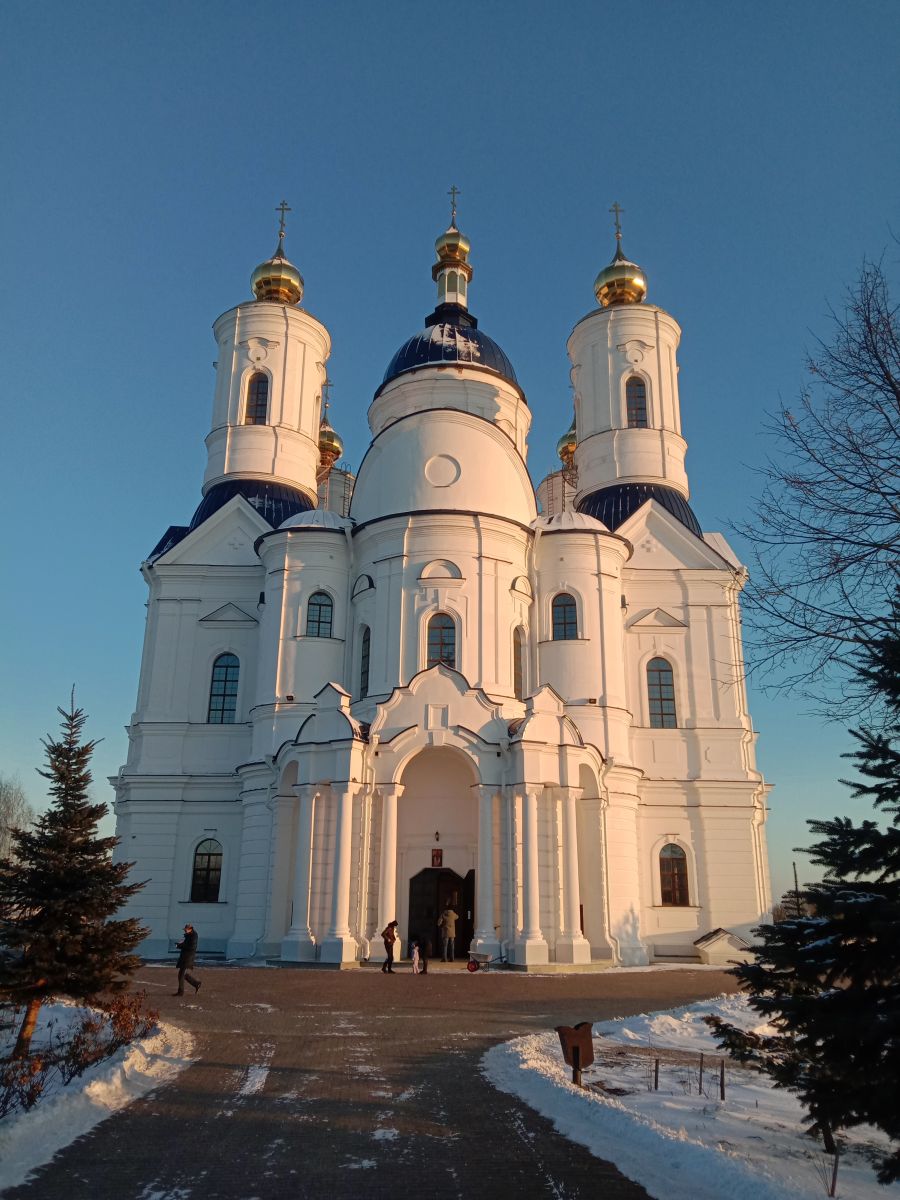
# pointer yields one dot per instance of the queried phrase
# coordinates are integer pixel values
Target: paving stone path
(325, 1085)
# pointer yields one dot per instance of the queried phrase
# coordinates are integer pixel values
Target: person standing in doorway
(187, 948)
(447, 926)
(389, 935)
(425, 944)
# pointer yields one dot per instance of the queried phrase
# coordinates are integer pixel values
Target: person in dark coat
(389, 937)
(187, 950)
(424, 940)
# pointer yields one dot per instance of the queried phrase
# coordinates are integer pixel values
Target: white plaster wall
(464, 566)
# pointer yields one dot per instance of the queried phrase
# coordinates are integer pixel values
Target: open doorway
(430, 892)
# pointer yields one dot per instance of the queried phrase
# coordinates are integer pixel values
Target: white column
(531, 947)
(251, 904)
(339, 946)
(622, 865)
(387, 876)
(298, 944)
(571, 945)
(485, 941)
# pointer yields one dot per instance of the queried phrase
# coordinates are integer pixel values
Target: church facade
(442, 697)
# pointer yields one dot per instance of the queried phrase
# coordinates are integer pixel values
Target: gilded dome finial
(331, 446)
(278, 280)
(622, 282)
(565, 448)
(452, 271)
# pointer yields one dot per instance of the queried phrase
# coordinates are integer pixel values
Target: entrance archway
(437, 845)
(430, 892)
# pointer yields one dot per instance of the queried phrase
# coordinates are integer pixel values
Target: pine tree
(829, 982)
(59, 891)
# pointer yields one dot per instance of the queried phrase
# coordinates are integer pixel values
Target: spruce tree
(59, 891)
(829, 981)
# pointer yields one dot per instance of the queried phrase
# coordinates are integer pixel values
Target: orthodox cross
(326, 394)
(282, 208)
(617, 211)
(453, 193)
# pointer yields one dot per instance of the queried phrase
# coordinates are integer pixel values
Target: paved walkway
(325, 1085)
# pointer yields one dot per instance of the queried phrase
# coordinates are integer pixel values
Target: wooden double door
(430, 892)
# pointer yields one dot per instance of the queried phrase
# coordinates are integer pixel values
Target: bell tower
(627, 415)
(269, 377)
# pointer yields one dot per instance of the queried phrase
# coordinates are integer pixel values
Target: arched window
(636, 403)
(364, 663)
(256, 410)
(223, 690)
(452, 282)
(519, 662)
(661, 694)
(565, 618)
(441, 641)
(319, 613)
(207, 873)
(673, 876)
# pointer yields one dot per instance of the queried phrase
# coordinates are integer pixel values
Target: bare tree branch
(826, 527)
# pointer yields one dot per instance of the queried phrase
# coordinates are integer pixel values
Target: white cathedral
(363, 700)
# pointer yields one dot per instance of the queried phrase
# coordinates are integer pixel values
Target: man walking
(187, 950)
(447, 926)
(389, 936)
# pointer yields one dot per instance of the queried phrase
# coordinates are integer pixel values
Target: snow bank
(674, 1142)
(30, 1139)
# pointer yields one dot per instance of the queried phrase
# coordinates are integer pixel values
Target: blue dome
(451, 335)
(274, 502)
(613, 505)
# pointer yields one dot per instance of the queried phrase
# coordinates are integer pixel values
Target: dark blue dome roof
(274, 502)
(613, 505)
(451, 335)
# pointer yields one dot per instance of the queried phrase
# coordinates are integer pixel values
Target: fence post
(700, 1088)
(656, 1076)
(722, 1080)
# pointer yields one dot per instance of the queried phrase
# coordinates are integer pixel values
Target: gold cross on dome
(617, 211)
(326, 395)
(282, 208)
(453, 193)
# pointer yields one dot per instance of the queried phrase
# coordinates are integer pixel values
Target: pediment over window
(228, 614)
(656, 618)
(441, 568)
(521, 585)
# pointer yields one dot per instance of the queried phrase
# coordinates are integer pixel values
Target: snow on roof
(317, 518)
(569, 521)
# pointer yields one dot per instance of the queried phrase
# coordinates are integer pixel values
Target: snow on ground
(676, 1143)
(30, 1139)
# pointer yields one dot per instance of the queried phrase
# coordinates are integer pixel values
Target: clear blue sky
(145, 146)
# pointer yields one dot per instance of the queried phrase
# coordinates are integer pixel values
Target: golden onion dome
(452, 245)
(330, 445)
(452, 249)
(565, 447)
(622, 282)
(277, 279)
